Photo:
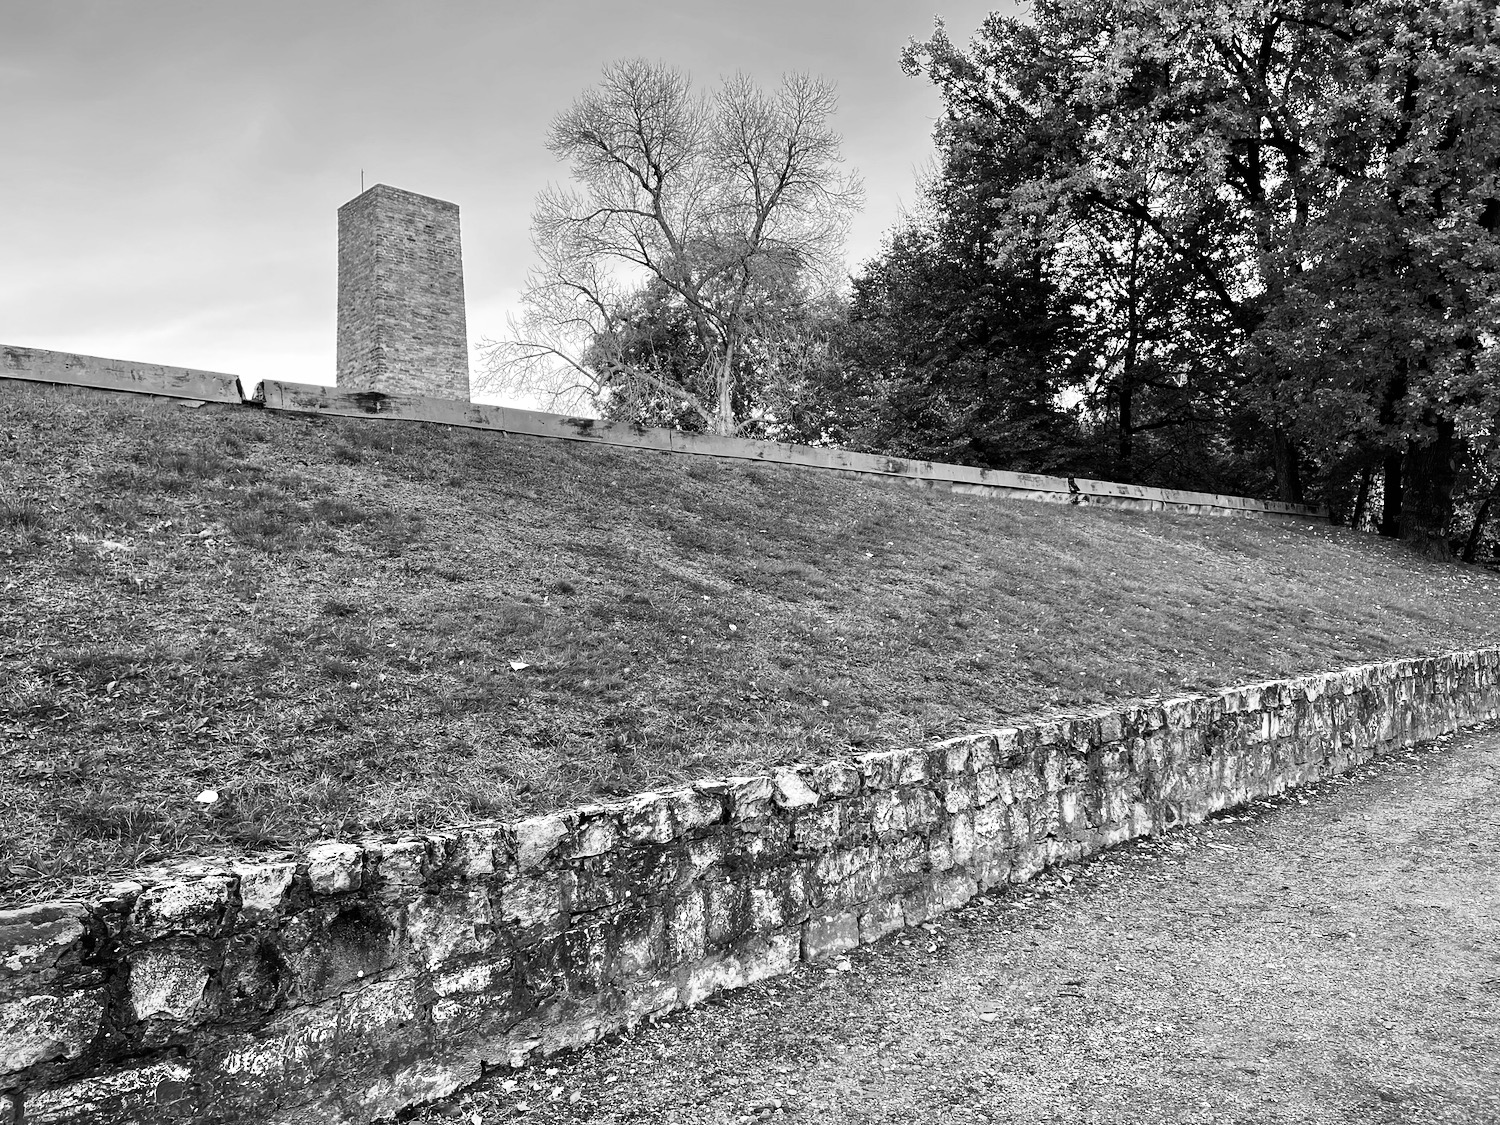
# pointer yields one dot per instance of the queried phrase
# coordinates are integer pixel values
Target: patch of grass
(355, 645)
(23, 524)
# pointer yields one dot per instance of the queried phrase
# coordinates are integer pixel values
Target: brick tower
(401, 296)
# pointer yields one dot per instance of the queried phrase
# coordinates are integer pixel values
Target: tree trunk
(1391, 496)
(1362, 498)
(1427, 498)
(1472, 546)
(1288, 474)
(1126, 388)
(724, 404)
(1127, 427)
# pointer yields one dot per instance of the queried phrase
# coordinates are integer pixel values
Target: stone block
(686, 928)
(538, 838)
(376, 1014)
(961, 837)
(695, 809)
(45, 1027)
(766, 956)
(818, 829)
(383, 1096)
(828, 935)
(537, 902)
(749, 797)
(646, 1000)
(263, 888)
(924, 810)
(597, 832)
(158, 1092)
(647, 819)
(836, 779)
(958, 793)
(37, 938)
(401, 865)
(766, 909)
(890, 814)
(792, 791)
(1011, 749)
(642, 951)
(880, 770)
(170, 983)
(879, 919)
(198, 907)
(442, 928)
(335, 869)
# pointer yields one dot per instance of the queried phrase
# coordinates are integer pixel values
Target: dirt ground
(1329, 957)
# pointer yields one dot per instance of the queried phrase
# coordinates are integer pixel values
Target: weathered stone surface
(263, 887)
(830, 934)
(43, 1027)
(597, 833)
(392, 970)
(835, 779)
(442, 928)
(36, 938)
(792, 791)
(198, 907)
(647, 819)
(155, 1092)
(402, 864)
(168, 982)
(538, 837)
(750, 797)
(335, 869)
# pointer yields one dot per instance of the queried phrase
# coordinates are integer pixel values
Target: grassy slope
(319, 617)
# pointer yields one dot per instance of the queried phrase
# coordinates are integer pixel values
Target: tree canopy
(698, 228)
(1273, 223)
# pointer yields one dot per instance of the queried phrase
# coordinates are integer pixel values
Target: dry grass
(318, 618)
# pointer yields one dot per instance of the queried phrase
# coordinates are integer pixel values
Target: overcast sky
(170, 170)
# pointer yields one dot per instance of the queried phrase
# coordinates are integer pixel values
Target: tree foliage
(1272, 223)
(698, 227)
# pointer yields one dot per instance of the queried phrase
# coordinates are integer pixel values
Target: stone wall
(343, 984)
(401, 320)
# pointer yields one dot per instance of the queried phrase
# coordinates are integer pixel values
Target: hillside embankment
(347, 626)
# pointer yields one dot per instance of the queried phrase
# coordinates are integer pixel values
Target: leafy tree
(1294, 197)
(697, 226)
(952, 355)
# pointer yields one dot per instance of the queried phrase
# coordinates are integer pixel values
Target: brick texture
(402, 327)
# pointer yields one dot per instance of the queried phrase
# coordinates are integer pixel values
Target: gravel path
(1333, 957)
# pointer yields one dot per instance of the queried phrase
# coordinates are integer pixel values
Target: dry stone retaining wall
(343, 984)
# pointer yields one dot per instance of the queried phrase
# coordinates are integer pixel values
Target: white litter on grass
(207, 797)
(518, 665)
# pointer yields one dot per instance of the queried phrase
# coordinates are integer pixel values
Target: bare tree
(728, 208)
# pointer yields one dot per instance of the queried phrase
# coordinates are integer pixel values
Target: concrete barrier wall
(340, 985)
(314, 399)
(66, 369)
